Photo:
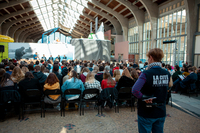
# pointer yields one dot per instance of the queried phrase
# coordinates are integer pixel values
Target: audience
(117, 67)
(91, 83)
(17, 75)
(141, 65)
(92, 74)
(29, 82)
(185, 70)
(56, 71)
(134, 75)
(189, 81)
(11, 67)
(116, 75)
(91, 67)
(66, 77)
(126, 80)
(24, 69)
(169, 69)
(120, 69)
(77, 68)
(84, 73)
(52, 83)
(2, 71)
(72, 82)
(6, 80)
(64, 71)
(39, 75)
(107, 81)
(177, 72)
(30, 67)
(138, 71)
(99, 75)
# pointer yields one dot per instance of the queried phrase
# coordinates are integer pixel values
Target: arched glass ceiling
(51, 13)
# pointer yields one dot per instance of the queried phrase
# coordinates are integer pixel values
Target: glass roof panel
(52, 12)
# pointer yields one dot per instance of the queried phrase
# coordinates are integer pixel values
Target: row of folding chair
(33, 93)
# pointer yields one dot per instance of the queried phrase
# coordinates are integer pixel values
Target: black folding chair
(125, 94)
(95, 99)
(71, 92)
(169, 95)
(9, 96)
(32, 97)
(194, 91)
(52, 92)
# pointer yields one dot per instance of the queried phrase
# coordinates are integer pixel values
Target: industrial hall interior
(89, 38)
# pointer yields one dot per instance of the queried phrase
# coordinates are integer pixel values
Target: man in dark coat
(55, 70)
(39, 75)
(64, 70)
(99, 75)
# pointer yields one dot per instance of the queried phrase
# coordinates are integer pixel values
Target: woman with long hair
(2, 71)
(107, 81)
(30, 67)
(134, 74)
(116, 75)
(185, 71)
(95, 70)
(84, 73)
(91, 83)
(29, 82)
(17, 75)
(72, 82)
(25, 69)
(6, 80)
(66, 77)
(126, 80)
(42, 68)
(52, 83)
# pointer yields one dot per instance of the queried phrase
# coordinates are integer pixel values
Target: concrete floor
(177, 121)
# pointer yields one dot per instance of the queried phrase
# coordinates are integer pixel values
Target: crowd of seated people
(77, 74)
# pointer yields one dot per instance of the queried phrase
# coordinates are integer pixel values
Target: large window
(133, 40)
(173, 27)
(199, 21)
(146, 39)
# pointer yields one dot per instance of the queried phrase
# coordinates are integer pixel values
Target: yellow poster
(4, 55)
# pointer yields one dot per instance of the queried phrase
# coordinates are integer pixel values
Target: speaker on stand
(1, 51)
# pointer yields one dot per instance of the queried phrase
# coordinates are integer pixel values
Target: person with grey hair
(107, 69)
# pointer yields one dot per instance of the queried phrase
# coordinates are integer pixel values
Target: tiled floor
(123, 122)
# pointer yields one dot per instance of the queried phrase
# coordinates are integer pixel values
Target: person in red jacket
(117, 67)
(107, 81)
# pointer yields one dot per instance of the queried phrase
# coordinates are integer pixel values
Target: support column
(191, 15)
(152, 10)
(139, 18)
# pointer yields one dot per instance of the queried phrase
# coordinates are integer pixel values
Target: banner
(4, 55)
(27, 50)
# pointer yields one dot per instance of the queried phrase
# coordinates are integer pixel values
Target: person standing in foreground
(152, 82)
